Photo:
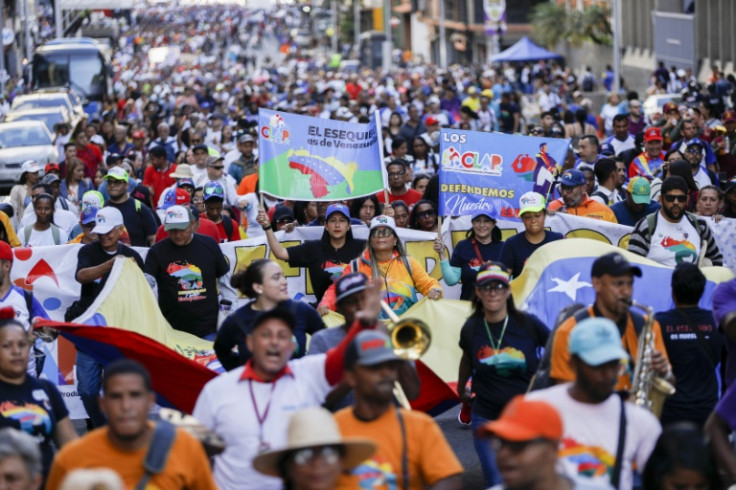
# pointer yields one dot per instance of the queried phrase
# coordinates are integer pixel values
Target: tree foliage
(552, 24)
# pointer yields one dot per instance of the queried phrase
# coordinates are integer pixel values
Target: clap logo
(472, 162)
(276, 131)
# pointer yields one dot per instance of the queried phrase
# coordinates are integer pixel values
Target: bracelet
(266, 228)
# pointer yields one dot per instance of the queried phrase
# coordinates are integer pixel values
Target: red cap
(669, 106)
(6, 252)
(652, 134)
(51, 166)
(182, 196)
(525, 420)
(431, 121)
(729, 116)
(138, 134)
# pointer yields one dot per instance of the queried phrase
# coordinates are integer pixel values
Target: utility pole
(616, 45)
(334, 26)
(443, 37)
(356, 24)
(388, 44)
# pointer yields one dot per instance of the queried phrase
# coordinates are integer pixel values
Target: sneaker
(463, 417)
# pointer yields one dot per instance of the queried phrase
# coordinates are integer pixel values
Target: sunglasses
(285, 221)
(217, 167)
(213, 191)
(331, 455)
(494, 286)
(673, 198)
(382, 232)
(536, 131)
(427, 214)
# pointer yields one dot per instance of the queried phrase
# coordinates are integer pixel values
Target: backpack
(158, 452)
(541, 378)
(588, 82)
(652, 223)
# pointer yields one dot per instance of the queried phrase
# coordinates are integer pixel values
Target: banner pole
(439, 227)
(260, 199)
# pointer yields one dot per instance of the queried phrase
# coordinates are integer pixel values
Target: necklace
(496, 346)
(263, 446)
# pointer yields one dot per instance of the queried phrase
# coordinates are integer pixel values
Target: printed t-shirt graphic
(189, 277)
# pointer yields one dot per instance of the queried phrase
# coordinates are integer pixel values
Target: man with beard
(598, 425)
(694, 156)
(672, 235)
(575, 200)
(412, 451)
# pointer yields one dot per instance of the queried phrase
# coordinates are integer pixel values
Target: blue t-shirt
(465, 257)
(625, 216)
(517, 249)
(500, 375)
(693, 363)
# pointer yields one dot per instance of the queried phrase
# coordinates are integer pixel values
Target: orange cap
(525, 420)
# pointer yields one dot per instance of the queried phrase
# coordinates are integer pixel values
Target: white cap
(531, 202)
(177, 218)
(97, 139)
(383, 220)
(107, 218)
(29, 166)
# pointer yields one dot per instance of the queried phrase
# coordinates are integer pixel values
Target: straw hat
(183, 171)
(314, 427)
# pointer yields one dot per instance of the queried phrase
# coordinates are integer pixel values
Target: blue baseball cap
(573, 178)
(337, 208)
(213, 190)
(183, 182)
(491, 214)
(607, 149)
(88, 215)
(596, 341)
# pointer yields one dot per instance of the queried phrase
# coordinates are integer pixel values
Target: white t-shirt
(702, 178)
(588, 449)
(673, 243)
(225, 406)
(40, 238)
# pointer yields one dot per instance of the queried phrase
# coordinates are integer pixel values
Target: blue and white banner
(480, 171)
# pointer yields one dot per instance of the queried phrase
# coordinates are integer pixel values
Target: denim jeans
(89, 383)
(487, 457)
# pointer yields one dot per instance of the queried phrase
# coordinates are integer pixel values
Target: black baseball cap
(614, 264)
(350, 284)
(279, 313)
(369, 348)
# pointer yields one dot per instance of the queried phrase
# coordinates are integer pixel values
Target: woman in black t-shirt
(28, 404)
(500, 352)
(264, 282)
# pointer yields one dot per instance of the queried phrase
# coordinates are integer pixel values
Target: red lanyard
(262, 445)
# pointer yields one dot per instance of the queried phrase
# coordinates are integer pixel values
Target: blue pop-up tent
(524, 50)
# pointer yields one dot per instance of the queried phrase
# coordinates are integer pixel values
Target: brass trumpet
(410, 337)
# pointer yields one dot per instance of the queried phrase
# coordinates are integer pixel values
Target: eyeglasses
(675, 197)
(382, 232)
(331, 455)
(430, 213)
(396, 174)
(217, 167)
(694, 149)
(494, 286)
(514, 446)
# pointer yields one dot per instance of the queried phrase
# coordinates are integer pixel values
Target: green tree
(552, 24)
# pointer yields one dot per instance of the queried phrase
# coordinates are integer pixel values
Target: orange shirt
(248, 184)
(430, 457)
(589, 208)
(186, 467)
(560, 360)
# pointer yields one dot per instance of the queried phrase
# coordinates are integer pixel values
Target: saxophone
(647, 389)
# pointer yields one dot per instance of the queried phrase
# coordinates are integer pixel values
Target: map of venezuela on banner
(313, 159)
(480, 171)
